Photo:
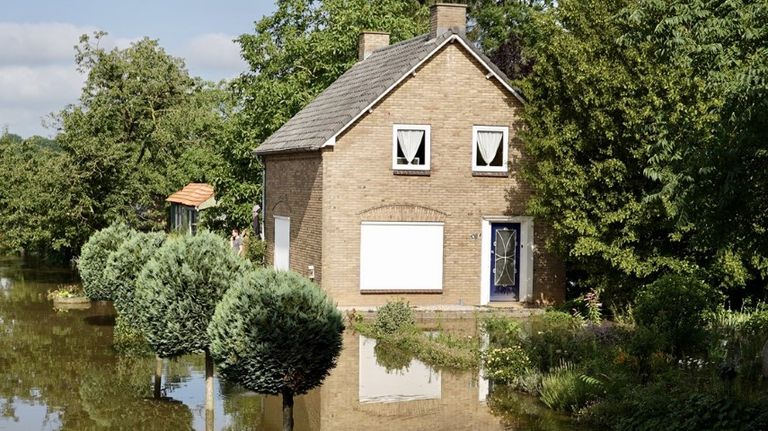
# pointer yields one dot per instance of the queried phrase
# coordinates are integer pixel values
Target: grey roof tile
(352, 92)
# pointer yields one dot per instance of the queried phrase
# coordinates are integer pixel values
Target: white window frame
(504, 148)
(427, 146)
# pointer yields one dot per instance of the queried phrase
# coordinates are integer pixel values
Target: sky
(37, 39)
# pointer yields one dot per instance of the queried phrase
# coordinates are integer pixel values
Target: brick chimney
(370, 41)
(447, 16)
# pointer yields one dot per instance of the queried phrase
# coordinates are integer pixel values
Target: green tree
(177, 292)
(276, 333)
(645, 127)
(93, 260)
(123, 267)
(708, 128)
(142, 129)
(121, 271)
(506, 30)
(43, 207)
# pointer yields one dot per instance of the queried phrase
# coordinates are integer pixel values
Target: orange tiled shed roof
(193, 194)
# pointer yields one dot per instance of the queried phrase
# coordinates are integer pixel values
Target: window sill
(412, 172)
(490, 174)
(400, 291)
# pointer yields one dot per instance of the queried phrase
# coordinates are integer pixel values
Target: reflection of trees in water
(245, 408)
(64, 361)
(391, 357)
(122, 399)
(522, 412)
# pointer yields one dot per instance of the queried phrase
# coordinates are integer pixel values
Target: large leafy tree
(506, 30)
(644, 126)
(708, 131)
(43, 207)
(142, 128)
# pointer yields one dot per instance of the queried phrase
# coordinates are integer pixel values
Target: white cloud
(214, 51)
(40, 85)
(39, 43)
(38, 75)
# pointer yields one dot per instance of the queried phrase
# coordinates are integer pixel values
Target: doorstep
(448, 311)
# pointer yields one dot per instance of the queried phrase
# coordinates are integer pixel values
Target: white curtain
(488, 144)
(410, 140)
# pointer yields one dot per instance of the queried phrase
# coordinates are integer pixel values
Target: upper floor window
(490, 148)
(410, 147)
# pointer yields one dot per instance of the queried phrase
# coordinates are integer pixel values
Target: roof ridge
(341, 103)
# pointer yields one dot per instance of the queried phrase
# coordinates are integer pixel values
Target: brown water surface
(58, 371)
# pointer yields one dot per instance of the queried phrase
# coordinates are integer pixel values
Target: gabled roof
(360, 88)
(193, 195)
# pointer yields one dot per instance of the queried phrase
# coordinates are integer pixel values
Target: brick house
(402, 180)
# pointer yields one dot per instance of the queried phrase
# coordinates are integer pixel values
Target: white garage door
(401, 256)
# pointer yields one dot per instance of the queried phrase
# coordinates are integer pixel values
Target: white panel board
(401, 256)
(282, 243)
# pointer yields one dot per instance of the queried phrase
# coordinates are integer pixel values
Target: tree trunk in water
(287, 410)
(158, 376)
(208, 391)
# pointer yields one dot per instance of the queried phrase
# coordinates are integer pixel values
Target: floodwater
(58, 371)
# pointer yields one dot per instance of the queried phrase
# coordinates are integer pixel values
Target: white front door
(282, 243)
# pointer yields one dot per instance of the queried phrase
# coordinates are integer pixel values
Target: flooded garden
(61, 372)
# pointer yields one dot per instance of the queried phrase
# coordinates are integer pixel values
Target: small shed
(186, 205)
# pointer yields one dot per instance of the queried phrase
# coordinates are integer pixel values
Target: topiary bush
(93, 260)
(394, 316)
(276, 332)
(676, 308)
(178, 289)
(123, 268)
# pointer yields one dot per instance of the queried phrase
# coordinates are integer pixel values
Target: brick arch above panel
(281, 208)
(402, 212)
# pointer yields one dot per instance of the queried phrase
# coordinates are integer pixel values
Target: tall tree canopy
(137, 131)
(506, 30)
(42, 203)
(646, 127)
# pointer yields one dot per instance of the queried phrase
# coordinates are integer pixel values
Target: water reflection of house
(186, 205)
(356, 397)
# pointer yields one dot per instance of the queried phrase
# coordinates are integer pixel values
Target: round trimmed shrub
(123, 268)
(393, 316)
(178, 289)
(675, 308)
(93, 260)
(276, 332)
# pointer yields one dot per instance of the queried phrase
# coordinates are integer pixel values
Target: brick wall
(294, 189)
(452, 94)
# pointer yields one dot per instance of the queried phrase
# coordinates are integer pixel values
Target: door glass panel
(505, 253)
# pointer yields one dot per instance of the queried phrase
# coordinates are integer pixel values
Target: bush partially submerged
(123, 268)
(178, 289)
(93, 260)
(276, 331)
(393, 317)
